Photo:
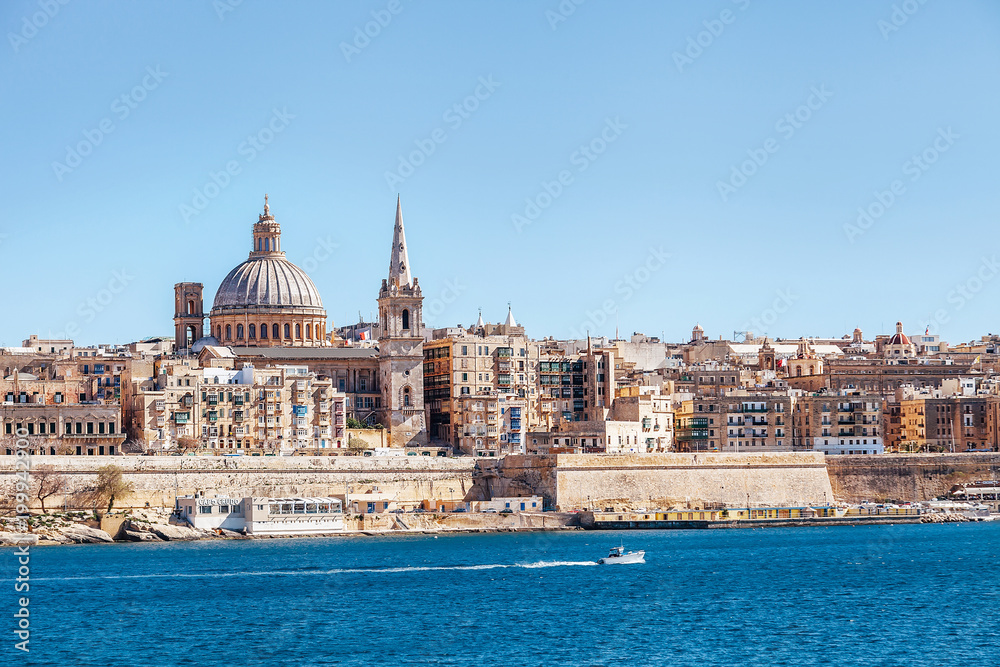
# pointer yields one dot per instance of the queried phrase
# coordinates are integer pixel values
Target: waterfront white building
(264, 516)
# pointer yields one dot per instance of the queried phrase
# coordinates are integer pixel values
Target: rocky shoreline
(158, 525)
(153, 525)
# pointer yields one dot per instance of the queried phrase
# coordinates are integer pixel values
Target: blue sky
(646, 163)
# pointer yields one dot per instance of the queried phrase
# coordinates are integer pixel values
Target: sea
(871, 595)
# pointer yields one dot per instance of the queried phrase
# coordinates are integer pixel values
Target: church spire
(399, 263)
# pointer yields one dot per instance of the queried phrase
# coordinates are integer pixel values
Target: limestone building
(264, 302)
(267, 312)
(401, 352)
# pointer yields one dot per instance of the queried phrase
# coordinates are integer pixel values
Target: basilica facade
(267, 311)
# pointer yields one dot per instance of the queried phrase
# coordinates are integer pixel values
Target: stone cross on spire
(399, 263)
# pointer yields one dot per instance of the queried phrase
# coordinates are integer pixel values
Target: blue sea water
(874, 595)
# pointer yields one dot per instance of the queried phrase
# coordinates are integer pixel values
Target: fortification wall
(158, 479)
(691, 480)
(907, 477)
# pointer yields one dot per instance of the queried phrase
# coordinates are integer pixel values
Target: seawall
(622, 481)
(907, 477)
(157, 479)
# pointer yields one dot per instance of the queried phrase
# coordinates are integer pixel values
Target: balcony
(751, 408)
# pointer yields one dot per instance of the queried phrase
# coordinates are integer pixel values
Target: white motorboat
(617, 556)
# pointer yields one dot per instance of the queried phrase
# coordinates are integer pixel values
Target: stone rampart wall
(621, 481)
(158, 479)
(907, 477)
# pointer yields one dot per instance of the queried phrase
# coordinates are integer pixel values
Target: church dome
(267, 301)
(267, 281)
(899, 338)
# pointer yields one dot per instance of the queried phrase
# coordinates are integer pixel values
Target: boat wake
(313, 570)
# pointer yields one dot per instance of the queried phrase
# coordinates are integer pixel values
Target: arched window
(309, 331)
(190, 307)
(239, 332)
(406, 394)
(406, 319)
(275, 331)
(288, 331)
(229, 332)
(267, 244)
(798, 371)
(263, 331)
(253, 331)
(218, 332)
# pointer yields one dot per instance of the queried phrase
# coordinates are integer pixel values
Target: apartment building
(461, 365)
(250, 410)
(932, 421)
(838, 423)
(738, 422)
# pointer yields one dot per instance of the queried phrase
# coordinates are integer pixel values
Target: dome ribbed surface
(267, 281)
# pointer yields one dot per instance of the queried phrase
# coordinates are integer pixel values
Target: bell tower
(401, 347)
(189, 315)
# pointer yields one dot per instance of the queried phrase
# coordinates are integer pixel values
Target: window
(253, 331)
(406, 319)
(263, 331)
(309, 331)
(275, 331)
(239, 332)
(288, 331)
(298, 331)
(229, 332)
(406, 397)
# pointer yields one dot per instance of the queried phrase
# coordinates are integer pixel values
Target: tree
(49, 483)
(354, 423)
(356, 444)
(188, 443)
(111, 486)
